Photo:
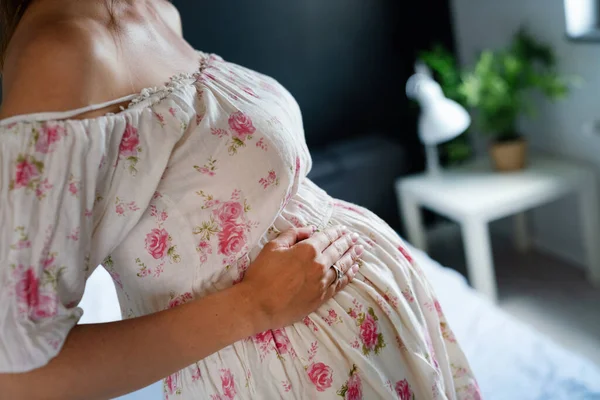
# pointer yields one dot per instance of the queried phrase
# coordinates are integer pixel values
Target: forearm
(102, 361)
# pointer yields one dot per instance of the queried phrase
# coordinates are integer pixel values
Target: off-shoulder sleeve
(48, 178)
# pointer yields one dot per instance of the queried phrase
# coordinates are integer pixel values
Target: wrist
(254, 315)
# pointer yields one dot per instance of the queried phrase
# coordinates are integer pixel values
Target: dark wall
(345, 61)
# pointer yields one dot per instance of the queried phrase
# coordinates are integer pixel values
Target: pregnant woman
(194, 196)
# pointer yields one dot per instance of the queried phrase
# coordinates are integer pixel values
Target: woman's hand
(292, 276)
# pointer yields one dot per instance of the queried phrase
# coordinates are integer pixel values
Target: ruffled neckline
(147, 97)
(173, 84)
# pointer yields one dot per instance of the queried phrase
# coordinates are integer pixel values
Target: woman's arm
(101, 361)
(291, 277)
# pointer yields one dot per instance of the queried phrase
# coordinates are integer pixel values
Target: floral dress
(175, 196)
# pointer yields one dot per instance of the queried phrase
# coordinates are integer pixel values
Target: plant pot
(509, 156)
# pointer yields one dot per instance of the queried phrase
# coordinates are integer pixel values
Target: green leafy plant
(498, 87)
(446, 72)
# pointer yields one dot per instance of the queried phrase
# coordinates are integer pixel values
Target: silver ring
(338, 273)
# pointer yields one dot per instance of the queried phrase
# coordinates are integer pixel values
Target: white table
(475, 195)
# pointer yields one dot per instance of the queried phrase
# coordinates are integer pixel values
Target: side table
(475, 195)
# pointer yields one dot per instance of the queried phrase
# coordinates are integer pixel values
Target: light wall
(562, 128)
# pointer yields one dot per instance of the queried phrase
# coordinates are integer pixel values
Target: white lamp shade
(441, 119)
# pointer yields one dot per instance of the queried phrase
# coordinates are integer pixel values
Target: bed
(511, 360)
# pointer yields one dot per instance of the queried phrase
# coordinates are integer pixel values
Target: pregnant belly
(363, 331)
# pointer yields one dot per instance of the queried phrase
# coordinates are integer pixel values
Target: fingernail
(355, 268)
(359, 250)
(354, 237)
(314, 228)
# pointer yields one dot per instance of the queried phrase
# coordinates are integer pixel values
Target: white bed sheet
(511, 360)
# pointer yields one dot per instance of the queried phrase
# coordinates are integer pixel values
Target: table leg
(411, 214)
(521, 232)
(480, 265)
(590, 224)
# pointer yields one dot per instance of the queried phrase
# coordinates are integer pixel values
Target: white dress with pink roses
(175, 196)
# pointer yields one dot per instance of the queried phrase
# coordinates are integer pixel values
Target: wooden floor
(539, 289)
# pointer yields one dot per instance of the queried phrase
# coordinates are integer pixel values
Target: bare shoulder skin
(68, 54)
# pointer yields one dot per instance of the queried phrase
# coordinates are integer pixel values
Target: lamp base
(433, 160)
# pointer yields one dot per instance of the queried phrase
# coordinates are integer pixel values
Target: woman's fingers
(321, 240)
(347, 261)
(338, 248)
(290, 237)
(339, 285)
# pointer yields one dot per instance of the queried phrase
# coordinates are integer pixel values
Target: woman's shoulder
(55, 65)
(48, 68)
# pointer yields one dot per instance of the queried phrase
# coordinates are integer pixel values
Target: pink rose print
(26, 172)
(204, 250)
(157, 243)
(232, 238)
(179, 300)
(48, 261)
(320, 375)
(42, 188)
(196, 373)
(287, 386)
(261, 144)
(228, 384)
(309, 323)
(219, 132)
(171, 384)
(408, 295)
(282, 342)
(250, 92)
(73, 188)
(406, 254)
(241, 124)
(228, 211)
(47, 307)
(347, 206)
(391, 299)
(74, 235)
(332, 317)
(28, 289)
(438, 308)
(160, 118)
(400, 343)
(48, 135)
(269, 180)
(121, 207)
(38, 305)
(129, 142)
(368, 332)
(172, 111)
(403, 390)
(199, 118)
(370, 336)
(352, 389)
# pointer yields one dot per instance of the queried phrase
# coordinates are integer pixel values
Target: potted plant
(498, 89)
